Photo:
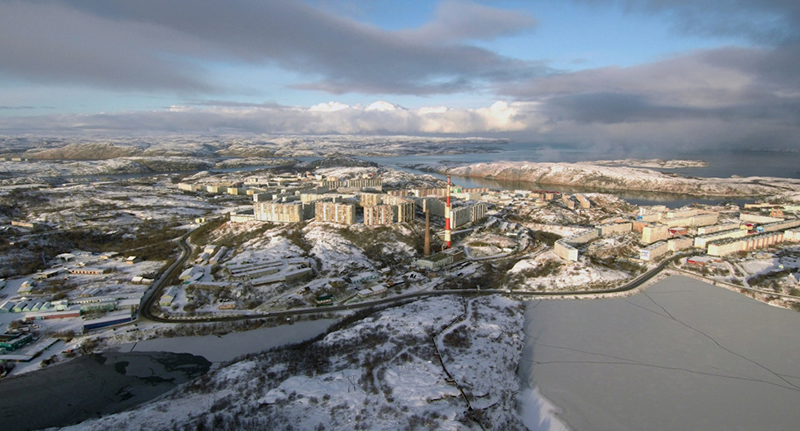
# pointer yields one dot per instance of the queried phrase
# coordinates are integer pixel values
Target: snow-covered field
(337, 255)
(545, 272)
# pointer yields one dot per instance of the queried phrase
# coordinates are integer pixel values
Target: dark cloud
(155, 45)
(610, 108)
(46, 42)
(728, 97)
(725, 81)
(457, 20)
(761, 21)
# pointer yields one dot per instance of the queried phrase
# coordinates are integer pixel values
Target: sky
(689, 74)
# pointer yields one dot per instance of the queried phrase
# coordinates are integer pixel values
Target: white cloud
(328, 107)
(432, 110)
(167, 46)
(502, 116)
(383, 106)
(330, 117)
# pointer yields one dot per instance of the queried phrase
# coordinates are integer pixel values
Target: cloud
(614, 122)
(329, 107)
(456, 21)
(154, 45)
(333, 117)
(761, 21)
(227, 103)
(728, 97)
(51, 43)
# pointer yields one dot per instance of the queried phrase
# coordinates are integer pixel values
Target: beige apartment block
(378, 215)
(752, 242)
(702, 241)
(335, 212)
(705, 230)
(371, 199)
(654, 251)
(278, 212)
(615, 228)
(680, 243)
(653, 233)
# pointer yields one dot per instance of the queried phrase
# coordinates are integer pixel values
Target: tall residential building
(358, 183)
(371, 199)
(335, 212)
(278, 212)
(378, 215)
(403, 210)
(384, 209)
(433, 205)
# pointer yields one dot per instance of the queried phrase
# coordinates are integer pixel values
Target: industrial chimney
(427, 246)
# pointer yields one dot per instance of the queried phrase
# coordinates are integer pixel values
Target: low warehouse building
(7, 307)
(12, 342)
(168, 297)
(440, 260)
(105, 322)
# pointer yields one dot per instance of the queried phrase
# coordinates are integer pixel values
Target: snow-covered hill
(590, 175)
(210, 147)
(417, 366)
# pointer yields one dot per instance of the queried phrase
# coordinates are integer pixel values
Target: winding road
(146, 309)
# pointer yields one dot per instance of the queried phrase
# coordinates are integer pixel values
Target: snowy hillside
(589, 175)
(209, 147)
(420, 365)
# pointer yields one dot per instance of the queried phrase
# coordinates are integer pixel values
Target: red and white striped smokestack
(447, 216)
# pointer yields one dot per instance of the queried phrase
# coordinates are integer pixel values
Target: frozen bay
(682, 354)
(222, 348)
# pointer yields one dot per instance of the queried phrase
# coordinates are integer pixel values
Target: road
(146, 309)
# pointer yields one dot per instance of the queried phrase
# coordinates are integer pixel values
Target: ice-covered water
(221, 348)
(683, 354)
